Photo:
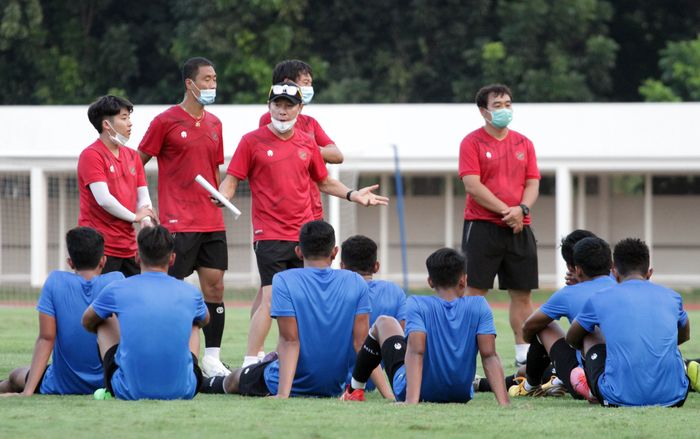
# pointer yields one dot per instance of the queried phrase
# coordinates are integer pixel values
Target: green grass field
(234, 416)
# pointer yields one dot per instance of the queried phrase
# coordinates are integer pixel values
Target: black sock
(212, 385)
(537, 362)
(368, 358)
(564, 359)
(214, 331)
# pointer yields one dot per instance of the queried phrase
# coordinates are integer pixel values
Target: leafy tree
(680, 73)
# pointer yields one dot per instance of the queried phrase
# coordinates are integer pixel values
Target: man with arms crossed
(632, 358)
(65, 296)
(151, 351)
(436, 360)
(499, 170)
(112, 184)
(187, 140)
(281, 163)
(323, 316)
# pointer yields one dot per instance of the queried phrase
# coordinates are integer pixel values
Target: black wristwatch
(526, 210)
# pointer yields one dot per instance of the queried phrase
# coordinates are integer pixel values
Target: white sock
(527, 386)
(249, 360)
(212, 352)
(521, 352)
(261, 355)
(356, 384)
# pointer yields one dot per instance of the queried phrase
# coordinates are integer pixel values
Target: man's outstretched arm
(414, 366)
(42, 352)
(288, 350)
(492, 367)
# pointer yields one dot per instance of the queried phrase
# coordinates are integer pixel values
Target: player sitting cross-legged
(151, 352)
(323, 316)
(75, 368)
(436, 360)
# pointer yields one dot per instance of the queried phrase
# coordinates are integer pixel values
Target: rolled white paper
(216, 194)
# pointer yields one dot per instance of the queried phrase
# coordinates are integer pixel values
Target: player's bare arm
(363, 196)
(331, 154)
(42, 352)
(534, 324)
(576, 335)
(227, 188)
(684, 333)
(144, 157)
(91, 320)
(481, 194)
(492, 367)
(288, 351)
(415, 351)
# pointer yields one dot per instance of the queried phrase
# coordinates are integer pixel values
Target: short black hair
(107, 106)
(445, 267)
(191, 67)
(359, 254)
(156, 245)
(85, 247)
(482, 96)
(593, 256)
(316, 239)
(569, 241)
(290, 69)
(631, 255)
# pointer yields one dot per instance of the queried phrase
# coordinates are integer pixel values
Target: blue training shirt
(449, 361)
(76, 367)
(386, 299)
(155, 313)
(324, 302)
(568, 301)
(640, 322)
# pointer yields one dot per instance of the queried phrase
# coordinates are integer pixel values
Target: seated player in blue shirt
(359, 254)
(632, 357)
(592, 261)
(64, 297)
(323, 317)
(151, 351)
(436, 360)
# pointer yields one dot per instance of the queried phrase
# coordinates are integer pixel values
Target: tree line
(366, 51)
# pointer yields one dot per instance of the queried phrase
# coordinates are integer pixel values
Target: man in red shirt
(187, 140)
(300, 73)
(112, 185)
(499, 170)
(281, 163)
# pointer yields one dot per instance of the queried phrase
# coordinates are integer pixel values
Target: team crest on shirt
(302, 155)
(520, 155)
(270, 153)
(111, 168)
(133, 170)
(183, 134)
(488, 154)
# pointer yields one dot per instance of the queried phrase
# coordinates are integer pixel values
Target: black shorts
(198, 249)
(109, 364)
(393, 355)
(37, 389)
(127, 266)
(274, 257)
(252, 381)
(491, 249)
(594, 367)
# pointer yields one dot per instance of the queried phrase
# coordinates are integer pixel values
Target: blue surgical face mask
(206, 96)
(501, 118)
(307, 93)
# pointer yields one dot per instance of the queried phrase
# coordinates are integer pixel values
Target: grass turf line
(209, 415)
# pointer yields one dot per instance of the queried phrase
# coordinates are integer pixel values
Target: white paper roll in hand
(217, 195)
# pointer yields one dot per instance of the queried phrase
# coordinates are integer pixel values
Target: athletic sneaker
(353, 395)
(213, 367)
(554, 387)
(580, 384)
(475, 383)
(694, 375)
(102, 394)
(519, 389)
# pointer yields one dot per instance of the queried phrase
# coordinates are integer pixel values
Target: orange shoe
(353, 395)
(580, 384)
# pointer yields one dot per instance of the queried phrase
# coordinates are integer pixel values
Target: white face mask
(283, 126)
(307, 93)
(119, 139)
